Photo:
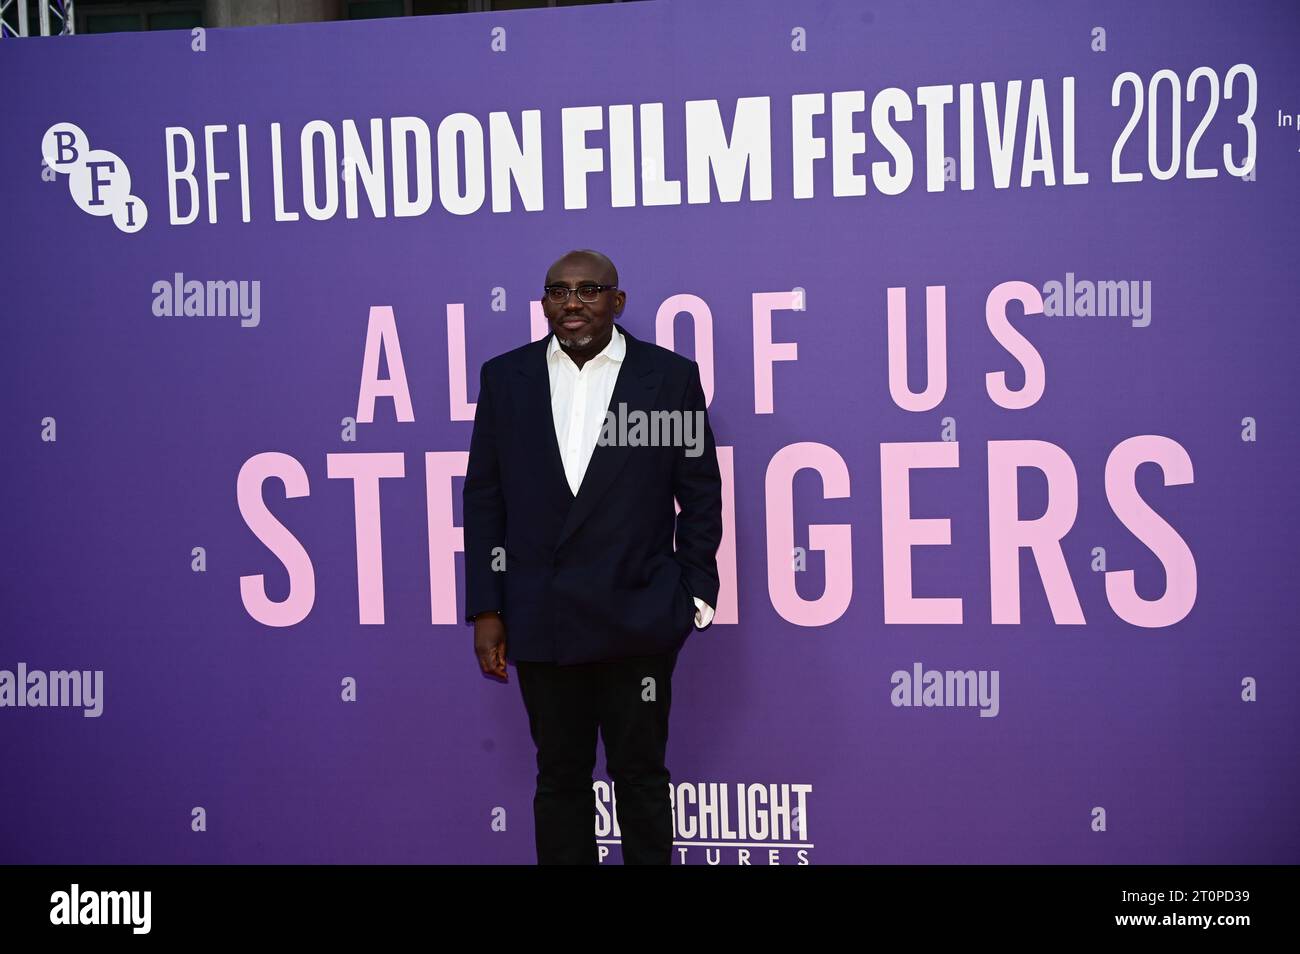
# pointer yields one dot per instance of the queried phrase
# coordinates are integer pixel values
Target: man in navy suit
(571, 573)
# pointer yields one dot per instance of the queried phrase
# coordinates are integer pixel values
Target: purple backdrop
(204, 707)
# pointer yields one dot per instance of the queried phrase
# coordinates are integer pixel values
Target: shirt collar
(614, 350)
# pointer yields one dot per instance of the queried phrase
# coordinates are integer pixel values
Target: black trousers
(566, 707)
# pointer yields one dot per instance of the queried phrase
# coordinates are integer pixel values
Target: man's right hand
(490, 644)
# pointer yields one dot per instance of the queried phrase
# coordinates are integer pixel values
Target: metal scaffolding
(55, 18)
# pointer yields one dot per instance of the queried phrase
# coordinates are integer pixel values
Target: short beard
(578, 343)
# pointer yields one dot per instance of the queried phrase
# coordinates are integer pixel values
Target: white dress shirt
(579, 399)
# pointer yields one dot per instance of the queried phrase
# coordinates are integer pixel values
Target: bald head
(605, 272)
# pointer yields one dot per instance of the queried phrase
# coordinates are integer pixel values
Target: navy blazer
(594, 576)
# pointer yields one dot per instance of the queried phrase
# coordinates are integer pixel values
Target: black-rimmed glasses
(587, 291)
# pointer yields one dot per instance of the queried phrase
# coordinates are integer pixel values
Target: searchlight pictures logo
(742, 823)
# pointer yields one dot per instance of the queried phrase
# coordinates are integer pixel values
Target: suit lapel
(636, 387)
(537, 426)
